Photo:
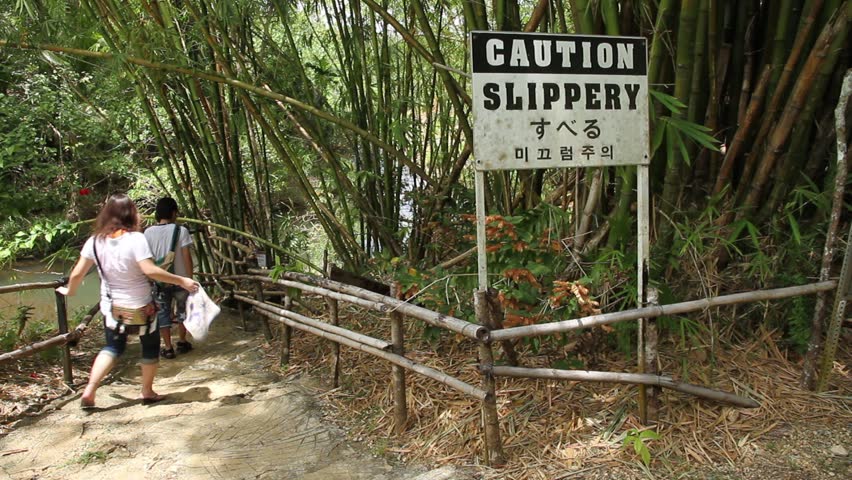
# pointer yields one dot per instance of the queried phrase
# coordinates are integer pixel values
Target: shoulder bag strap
(100, 267)
(175, 235)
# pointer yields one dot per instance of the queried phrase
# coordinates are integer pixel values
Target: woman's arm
(81, 268)
(156, 273)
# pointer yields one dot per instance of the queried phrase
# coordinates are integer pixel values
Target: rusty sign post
(562, 101)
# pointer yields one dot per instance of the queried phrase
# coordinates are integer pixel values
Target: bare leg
(182, 332)
(102, 366)
(149, 370)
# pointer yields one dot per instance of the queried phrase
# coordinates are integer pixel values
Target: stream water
(43, 301)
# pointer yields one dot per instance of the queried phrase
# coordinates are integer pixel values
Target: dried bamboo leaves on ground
(28, 385)
(579, 430)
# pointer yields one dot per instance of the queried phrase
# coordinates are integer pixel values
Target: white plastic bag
(200, 312)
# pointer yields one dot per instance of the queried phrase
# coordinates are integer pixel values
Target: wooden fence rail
(659, 311)
(61, 339)
(467, 329)
(20, 287)
(393, 358)
(628, 378)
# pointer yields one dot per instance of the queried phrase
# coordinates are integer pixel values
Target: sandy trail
(226, 417)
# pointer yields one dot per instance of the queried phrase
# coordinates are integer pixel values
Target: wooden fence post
(267, 332)
(400, 409)
(242, 310)
(493, 444)
(286, 334)
(334, 317)
(335, 347)
(62, 319)
(649, 408)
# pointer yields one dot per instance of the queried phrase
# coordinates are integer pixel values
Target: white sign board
(552, 101)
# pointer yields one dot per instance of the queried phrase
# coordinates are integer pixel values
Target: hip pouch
(131, 319)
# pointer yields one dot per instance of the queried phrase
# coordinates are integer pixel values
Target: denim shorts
(164, 305)
(116, 343)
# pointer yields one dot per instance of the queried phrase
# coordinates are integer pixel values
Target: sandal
(167, 353)
(86, 406)
(153, 400)
(183, 347)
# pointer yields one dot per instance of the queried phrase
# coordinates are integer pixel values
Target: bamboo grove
(361, 111)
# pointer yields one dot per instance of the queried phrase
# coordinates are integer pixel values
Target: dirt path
(225, 418)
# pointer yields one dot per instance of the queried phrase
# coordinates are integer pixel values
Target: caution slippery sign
(555, 101)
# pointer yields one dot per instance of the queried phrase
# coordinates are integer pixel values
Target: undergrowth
(539, 278)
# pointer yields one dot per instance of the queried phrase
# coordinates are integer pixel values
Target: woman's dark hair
(166, 208)
(118, 213)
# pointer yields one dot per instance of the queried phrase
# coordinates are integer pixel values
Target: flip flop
(153, 400)
(85, 406)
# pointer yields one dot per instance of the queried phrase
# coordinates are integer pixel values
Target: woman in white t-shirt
(125, 264)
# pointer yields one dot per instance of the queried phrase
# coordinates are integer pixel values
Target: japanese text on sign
(544, 101)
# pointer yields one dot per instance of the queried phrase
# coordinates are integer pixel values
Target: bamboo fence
(248, 287)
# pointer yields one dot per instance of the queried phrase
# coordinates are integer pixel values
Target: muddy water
(43, 301)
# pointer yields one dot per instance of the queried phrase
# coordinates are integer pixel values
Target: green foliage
(637, 441)
(23, 329)
(675, 130)
(38, 237)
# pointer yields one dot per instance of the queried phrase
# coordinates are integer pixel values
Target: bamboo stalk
(778, 89)
(222, 79)
(316, 324)
(470, 330)
(393, 358)
(626, 378)
(20, 287)
(658, 311)
(780, 131)
(673, 180)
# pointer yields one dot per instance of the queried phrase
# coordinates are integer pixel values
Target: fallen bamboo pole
(20, 287)
(659, 311)
(628, 378)
(239, 246)
(62, 339)
(325, 327)
(268, 293)
(436, 375)
(467, 329)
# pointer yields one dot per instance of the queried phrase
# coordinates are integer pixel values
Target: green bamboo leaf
(794, 227)
(696, 132)
(671, 103)
(753, 233)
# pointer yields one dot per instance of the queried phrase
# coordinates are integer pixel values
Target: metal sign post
(561, 101)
